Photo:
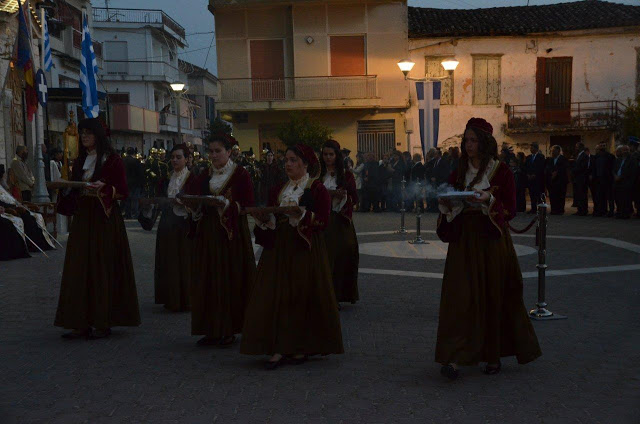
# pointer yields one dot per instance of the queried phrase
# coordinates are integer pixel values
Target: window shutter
(480, 81)
(493, 81)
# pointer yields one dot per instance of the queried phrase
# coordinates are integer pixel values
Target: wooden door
(267, 69)
(553, 87)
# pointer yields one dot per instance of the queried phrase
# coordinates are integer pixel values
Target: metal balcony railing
(142, 68)
(578, 115)
(298, 88)
(141, 16)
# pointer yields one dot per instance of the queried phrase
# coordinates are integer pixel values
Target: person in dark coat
(371, 184)
(397, 163)
(625, 172)
(580, 175)
(534, 168)
(635, 156)
(419, 177)
(521, 182)
(439, 175)
(135, 180)
(557, 179)
(602, 176)
(591, 164)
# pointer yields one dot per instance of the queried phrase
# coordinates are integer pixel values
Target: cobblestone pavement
(589, 371)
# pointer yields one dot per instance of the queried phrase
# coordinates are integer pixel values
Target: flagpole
(40, 195)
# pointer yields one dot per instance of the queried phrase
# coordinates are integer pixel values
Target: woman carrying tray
(98, 289)
(482, 314)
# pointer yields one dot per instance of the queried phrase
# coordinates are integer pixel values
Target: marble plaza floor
(589, 371)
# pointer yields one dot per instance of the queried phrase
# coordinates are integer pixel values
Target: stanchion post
(418, 239)
(402, 229)
(541, 313)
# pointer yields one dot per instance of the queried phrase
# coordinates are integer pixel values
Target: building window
(434, 69)
(348, 55)
(119, 98)
(486, 80)
(211, 109)
(117, 56)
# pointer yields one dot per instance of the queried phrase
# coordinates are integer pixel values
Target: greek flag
(48, 61)
(429, 113)
(88, 72)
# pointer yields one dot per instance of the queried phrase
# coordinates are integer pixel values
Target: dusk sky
(197, 19)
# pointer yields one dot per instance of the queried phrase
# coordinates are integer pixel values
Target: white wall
(604, 68)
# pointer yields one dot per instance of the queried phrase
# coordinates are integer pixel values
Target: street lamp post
(40, 193)
(177, 87)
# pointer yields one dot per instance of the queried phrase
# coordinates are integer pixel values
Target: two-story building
(333, 59)
(140, 62)
(553, 74)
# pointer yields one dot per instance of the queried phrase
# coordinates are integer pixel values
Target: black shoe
(272, 365)
(100, 334)
(75, 335)
(227, 341)
(489, 370)
(297, 361)
(449, 372)
(208, 341)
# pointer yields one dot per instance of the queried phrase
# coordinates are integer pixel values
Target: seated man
(13, 244)
(33, 223)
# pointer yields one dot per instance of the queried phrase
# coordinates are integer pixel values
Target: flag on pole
(25, 61)
(88, 72)
(429, 113)
(48, 60)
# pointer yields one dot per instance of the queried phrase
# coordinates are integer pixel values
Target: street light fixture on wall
(406, 65)
(450, 65)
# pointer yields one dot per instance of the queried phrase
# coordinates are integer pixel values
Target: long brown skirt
(344, 257)
(293, 308)
(174, 252)
(222, 276)
(482, 314)
(98, 285)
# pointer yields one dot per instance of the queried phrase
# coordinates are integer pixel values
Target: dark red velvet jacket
(238, 190)
(112, 174)
(315, 219)
(501, 210)
(349, 185)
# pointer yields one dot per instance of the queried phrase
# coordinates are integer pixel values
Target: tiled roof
(521, 20)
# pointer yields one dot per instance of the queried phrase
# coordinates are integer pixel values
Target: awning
(69, 95)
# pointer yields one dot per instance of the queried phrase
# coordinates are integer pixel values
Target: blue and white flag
(48, 60)
(88, 73)
(429, 113)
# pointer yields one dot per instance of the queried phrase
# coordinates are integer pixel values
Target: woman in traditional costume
(340, 235)
(292, 312)
(482, 314)
(98, 289)
(224, 265)
(174, 249)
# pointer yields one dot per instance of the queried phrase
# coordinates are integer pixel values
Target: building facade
(333, 59)
(140, 62)
(554, 74)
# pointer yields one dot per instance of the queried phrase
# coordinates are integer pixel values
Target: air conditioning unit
(408, 125)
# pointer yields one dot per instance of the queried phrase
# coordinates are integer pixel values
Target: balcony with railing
(134, 119)
(252, 93)
(169, 123)
(140, 16)
(150, 70)
(577, 116)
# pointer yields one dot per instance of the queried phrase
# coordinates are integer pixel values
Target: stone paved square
(589, 371)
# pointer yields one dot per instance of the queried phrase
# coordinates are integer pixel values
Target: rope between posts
(525, 229)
